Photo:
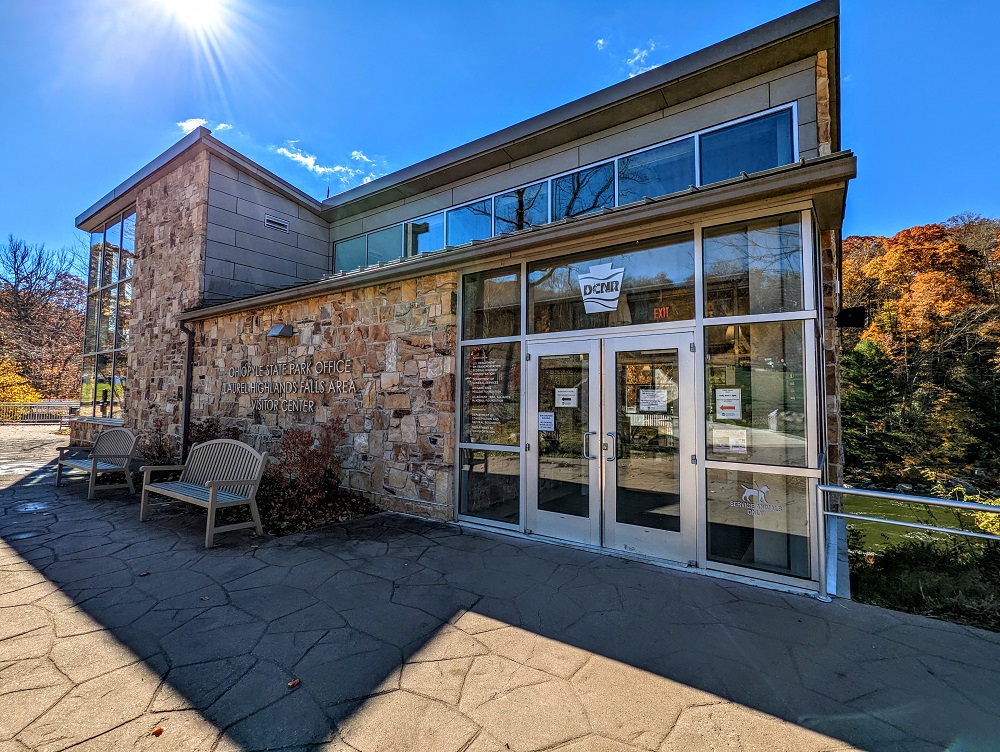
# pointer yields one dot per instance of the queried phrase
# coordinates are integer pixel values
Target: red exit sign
(663, 312)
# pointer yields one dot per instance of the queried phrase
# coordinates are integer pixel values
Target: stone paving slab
(413, 635)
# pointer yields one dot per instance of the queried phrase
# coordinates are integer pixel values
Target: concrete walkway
(411, 635)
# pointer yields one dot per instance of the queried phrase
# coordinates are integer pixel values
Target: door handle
(586, 445)
(614, 445)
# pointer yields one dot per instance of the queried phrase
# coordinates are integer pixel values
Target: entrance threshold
(629, 556)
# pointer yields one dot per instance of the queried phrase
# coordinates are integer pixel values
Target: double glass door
(610, 443)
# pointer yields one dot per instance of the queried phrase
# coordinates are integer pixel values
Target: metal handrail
(49, 411)
(965, 506)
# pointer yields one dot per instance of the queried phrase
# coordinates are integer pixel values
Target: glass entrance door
(649, 419)
(610, 438)
(564, 420)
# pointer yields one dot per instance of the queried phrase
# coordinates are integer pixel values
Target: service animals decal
(754, 500)
(601, 287)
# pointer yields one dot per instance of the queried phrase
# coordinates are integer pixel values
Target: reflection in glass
(102, 386)
(90, 330)
(385, 245)
(759, 520)
(564, 403)
(647, 414)
(112, 254)
(124, 313)
(425, 235)
(755, 376)
(118, 385)
(87, 386)
(491, 304)
(751, 146)
(106, 323)
(522, 208)
(96, 250)
(584, 191)
(657, 172)
(128, 245)
(490, 485)
(640, 284)
(472, 222)
(350, 254)
(754, 267)
(491, 394)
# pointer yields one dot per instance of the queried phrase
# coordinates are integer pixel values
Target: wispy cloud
(638, 60)
(365, 171)
(600, 44)
(191, 123)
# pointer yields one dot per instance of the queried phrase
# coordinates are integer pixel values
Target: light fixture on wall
(281, 330)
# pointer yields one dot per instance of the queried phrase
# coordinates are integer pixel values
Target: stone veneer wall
(398, 340)
(167, 278)
(830, 260)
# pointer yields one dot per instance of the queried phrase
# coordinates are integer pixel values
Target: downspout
(188, 379)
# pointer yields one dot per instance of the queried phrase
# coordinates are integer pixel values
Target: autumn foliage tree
(42, 309)
(920, 382)
(13, 386)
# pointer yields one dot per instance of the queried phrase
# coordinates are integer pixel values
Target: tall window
(109, 308)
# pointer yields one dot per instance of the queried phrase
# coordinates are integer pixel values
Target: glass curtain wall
(109, 309)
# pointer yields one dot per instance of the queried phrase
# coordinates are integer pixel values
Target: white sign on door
(729, 404)
(546, 421)
(567, 397)
(654, 400)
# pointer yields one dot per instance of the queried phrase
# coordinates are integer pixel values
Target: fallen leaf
(294, 683)
(204, 597)
(143, 574)
(157, 731)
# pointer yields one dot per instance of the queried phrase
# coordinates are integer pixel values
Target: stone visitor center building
(610, 325)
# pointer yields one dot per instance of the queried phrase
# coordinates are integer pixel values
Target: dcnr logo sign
(601, 287)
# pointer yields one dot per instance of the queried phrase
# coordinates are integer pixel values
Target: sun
(198, 16)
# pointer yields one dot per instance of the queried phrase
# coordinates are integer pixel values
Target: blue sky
(326, 92)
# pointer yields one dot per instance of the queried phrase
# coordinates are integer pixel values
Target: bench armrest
(64, 450)
(223, 483)
(146, 470)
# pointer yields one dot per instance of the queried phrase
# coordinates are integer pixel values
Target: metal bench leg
(93, 483)
(144, 504)
(58, 474)
(256, 516)
(128, 477)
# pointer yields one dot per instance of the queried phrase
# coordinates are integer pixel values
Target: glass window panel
(385, 245)
(491, 394)
(657, 172)
(754, 267)
(522, 208)
(128, 245)
(472, 222)
(90, 330)
(751, 146)
(490, 485)
(350, 254)
(96, 249)
(87, 386)
(648, 489)
(118, 385)
(584, 191)
(107, 319)
(759, 520)
(102, 388)
(124, 313)
(645, 284)
(491, 304)
(755, 376)
(563, 471)
(112, 254)
(425, 235)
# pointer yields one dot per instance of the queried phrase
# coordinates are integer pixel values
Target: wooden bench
(112, 452)
(218, 473)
